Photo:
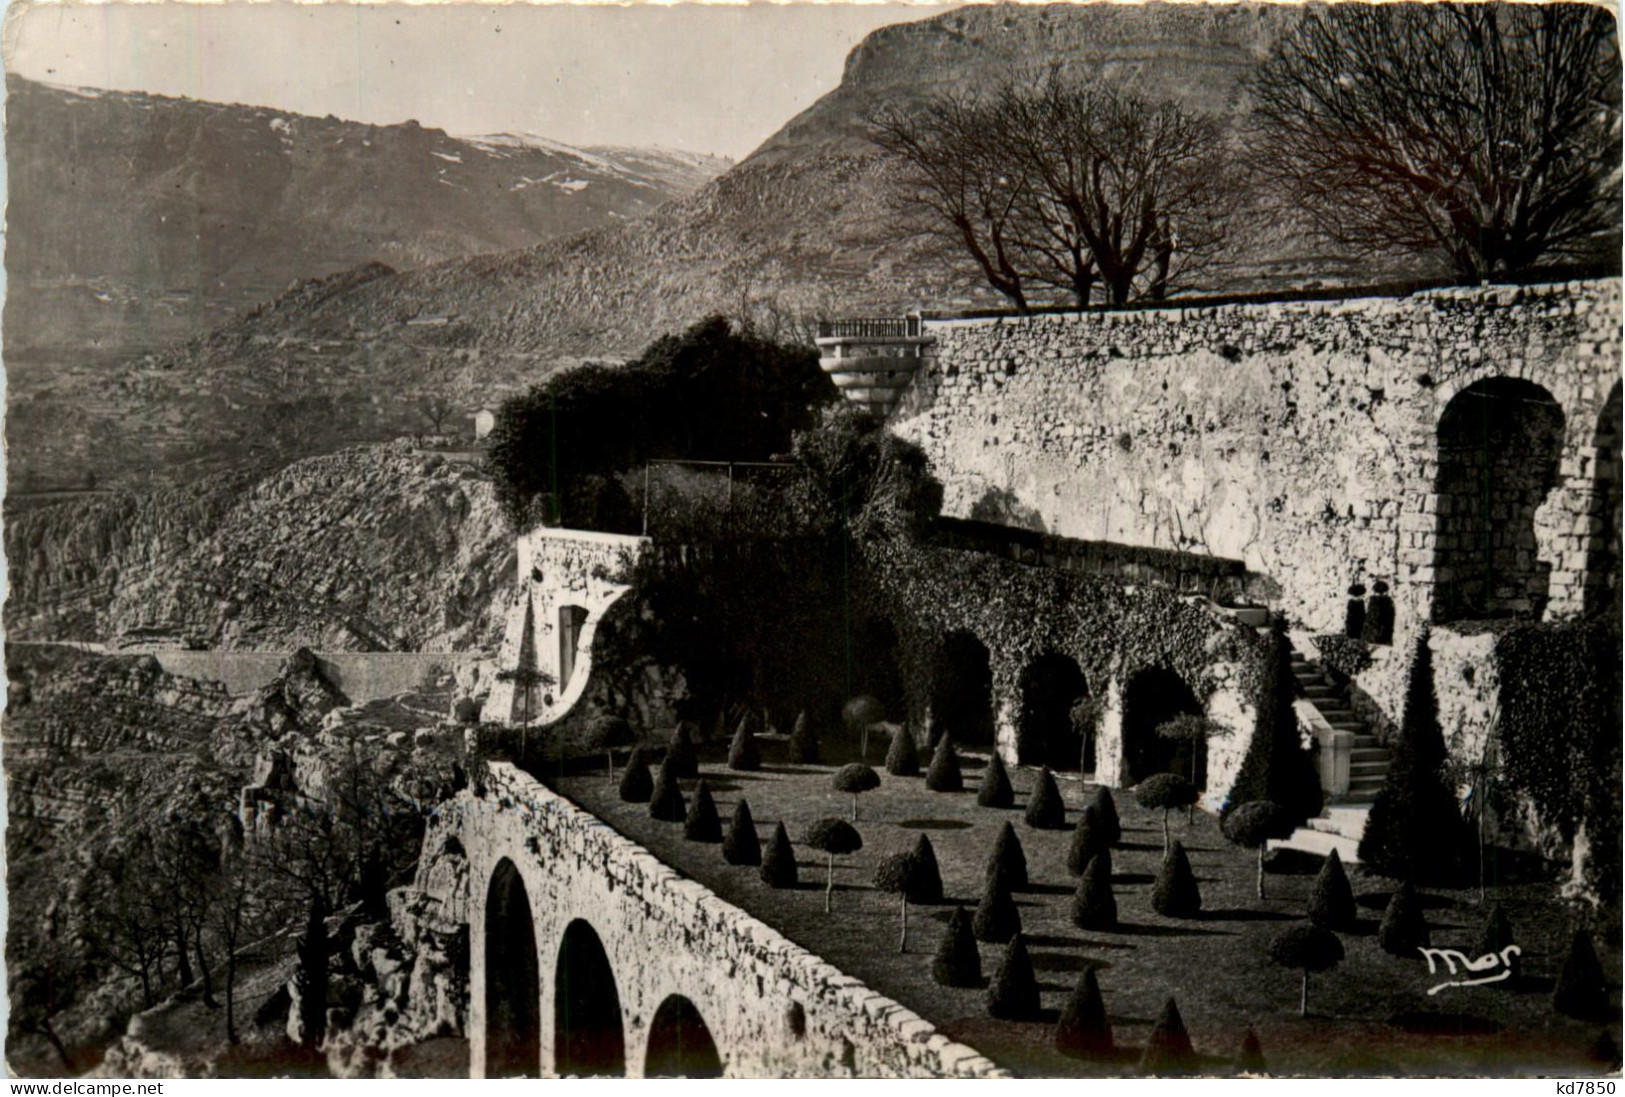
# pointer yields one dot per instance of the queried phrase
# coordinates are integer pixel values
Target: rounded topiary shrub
(1093, 904)
(855, 778)
(1175, 894)
(903, 756)
(1046, 810)
(637, 783)
(1404, 927)
(1308, 949)
(1166, 791)
(958, 962)
(741, 845)
(702, 824)
(1083, 1030)
(944, 774)
(1013, 994)
(1331, 899)
(779, 861)
(996, 790)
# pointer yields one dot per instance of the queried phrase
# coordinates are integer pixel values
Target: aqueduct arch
(962, 691)
(680, 1043)
(1045, 735)
(589, 1038)
(1152, 696)
(513, 993)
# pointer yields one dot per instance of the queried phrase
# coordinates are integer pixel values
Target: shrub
(997, 918)
(1093, 904)
(835, 837)
(1009, 860)
(637, 784)
(1404, 927)
(958, 962)
(607, 733)
(1344, 656)
(905, 875)
(741, 845)
(1166, 791)
(944, 774)
(1252, 825)
(744, 754)
(1046, 810)
(1276, 766)
(1250, 1060)
(1331, 899)
(702, 823)
(804, 740)
(903, 757)
(680, 756)
(859, 715)
(1580, 990)
(779, 862)
(1106, 808)
(1496, 936)
(1176, 894)
(1354, 612)
(855, 778)
(1416, 798)
(1013, 996)
(1378, 627)
(996, 790)
(667, 804)
(1083, 1030)
(1088, 839)
(1194, 730)
(1309, 949)
(1169, 1051)
(927, 880)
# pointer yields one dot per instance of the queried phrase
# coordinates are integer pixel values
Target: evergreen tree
(1106, 809)
(804, 741)
(741, 845)
(1093, 904)
(996, 790)
(667, 805)
(1276, 767)
(903, 757)
(1009, 860)
(944, 774)
(1013, 995)
(702, 823)
(744, 754)
(1414, 831)
(1088, 839)
(1083, 1030)
(779, 862)
(958, 962)
(1176, 894)
(637, 786)
(1251, 1058)
(1169, 1051)
(997, 918)
(1404, 927)
(1331, 899)
(1045, 809)
(1580, 990)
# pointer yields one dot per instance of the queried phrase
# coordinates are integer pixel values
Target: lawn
(1370, 1015)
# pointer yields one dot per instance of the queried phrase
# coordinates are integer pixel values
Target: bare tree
(1486, 135)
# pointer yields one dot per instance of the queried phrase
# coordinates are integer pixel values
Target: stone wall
(772, 1008)
(1302, 438)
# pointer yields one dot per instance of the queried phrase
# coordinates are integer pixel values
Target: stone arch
(1048, 687)
(680, 1043)
(589, 1036)
(1151, 697)
(1603, 535)
(513, 992)
(962, 691)
(1500, 443)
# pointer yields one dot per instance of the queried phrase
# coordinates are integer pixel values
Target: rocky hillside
(381, 548)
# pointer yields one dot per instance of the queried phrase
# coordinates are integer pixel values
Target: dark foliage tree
(1166, 791)
(743, 753)
(1013, 994)
(1309, 949)
(1168, 1052)
(609, 733)
(835, 837)
(1496, 935)
(310, 977)
(1252, 825)
(958, 962)
(995, 790)
(779, 862)
(926, 883)
(1045, 809)
(1175, 894)
(997, 918)
(855, 778)
(804, 740)
(637, 784)
(1008, 860)
(681, 757)
(1354, 612)
(1276, 766)
(741, 845)
(1331, 898)
(1088, 839)
(1581, 990)
(1483, 136)
(903, 756)
(1106, 809)
(944, 774)
(1416, 798)
(1404, 926)
(1083, 1030)
(1093, 904)
(703, 824)
(667, 804)
(1250, 1060)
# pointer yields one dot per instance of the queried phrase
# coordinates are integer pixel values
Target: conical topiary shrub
(1250, 1060)
(1276, 766)
(903, 757)
(996, 790)
(1354, 612)
(1046, 810)
(637, 783)
(944, 774)
(1331, 900)
(779, 861)
(804, 740)
(1404, 927)
(1111, 828)
(744, 754)
(741, 845)
(667, 804)
(703, 824)
(1093, 904)
(1580, 990)
(1088, 839)
(1168, 1051)
(997, 918)
(1083, 1030)
(1013, 994)
(1496, 935)
(1009, 859)
(958, 962)
(1176, 894)
(927, 880)
(680, 756)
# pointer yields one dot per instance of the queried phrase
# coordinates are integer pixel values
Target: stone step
(1363, 784)
(1252, 615)
(1316, 691)
(1371, 767)
(1359, 797)
(1370, 754)
(1319, 843)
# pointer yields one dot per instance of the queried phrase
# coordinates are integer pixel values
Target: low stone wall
(773, 1009)
(362, 676)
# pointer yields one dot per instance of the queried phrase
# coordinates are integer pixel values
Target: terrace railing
(891, 327)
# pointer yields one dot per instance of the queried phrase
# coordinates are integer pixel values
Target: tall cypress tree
(1414, 831)
(1276, 767)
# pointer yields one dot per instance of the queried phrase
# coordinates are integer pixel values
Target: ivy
(1342, 654)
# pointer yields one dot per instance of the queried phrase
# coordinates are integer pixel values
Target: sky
(702, 77)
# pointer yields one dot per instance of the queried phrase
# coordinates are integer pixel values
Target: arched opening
(513, 990)
(962, 691)
(1499, 445)
(1602, 542)
(1152, 697)
(588, 1038)
(1045, 735)
(680, 1044)
(872, 665)
(572, 619)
